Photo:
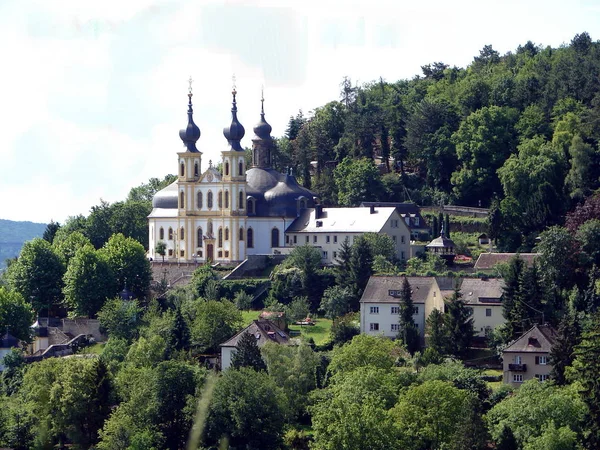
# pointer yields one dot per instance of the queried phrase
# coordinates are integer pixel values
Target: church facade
(225, 216)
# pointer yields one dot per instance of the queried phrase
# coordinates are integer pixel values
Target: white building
(327, 228)
(484, 298)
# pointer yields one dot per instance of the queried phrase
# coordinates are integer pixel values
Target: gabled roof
(480, 291)
(378, 289)
(264, 331)
(489, 260)
(538, 339)
(341, 220)
(8, 341)
(404, 209)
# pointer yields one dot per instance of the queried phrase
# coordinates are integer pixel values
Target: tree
(37, 275)
(50, 231)
(342, 269)
(363, 351)
(179, 338)
(161, 249)
(436, 332)
(361, 268)
(247, 354)
(589, 209)
(120, 318)
(409, 333)
(587, 236)
(344, 328)
(66, 245)
(336, 301)
(16, 316)
(357, 181)
(248, 409)
(579, 177)
(511, 307)
(127, 259)
(459, 325)
(558, 258)
(297, 309)
(381, 245)
(88, 282)
(214, 322)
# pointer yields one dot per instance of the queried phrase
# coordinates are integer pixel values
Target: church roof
(341, 220)
(166, 197)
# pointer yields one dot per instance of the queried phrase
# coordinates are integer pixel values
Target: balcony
(517, 367)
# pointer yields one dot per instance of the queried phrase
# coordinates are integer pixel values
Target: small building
(528, 356)
(443, 247)
(488, 261)
(483, 239)
(264, 331)
(7, 343)
(484, 298)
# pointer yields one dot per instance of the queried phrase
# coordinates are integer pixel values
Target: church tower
(232, 195)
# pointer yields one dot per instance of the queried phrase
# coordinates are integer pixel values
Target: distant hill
(13, 235)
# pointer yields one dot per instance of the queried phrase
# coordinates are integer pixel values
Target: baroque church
(225, 216)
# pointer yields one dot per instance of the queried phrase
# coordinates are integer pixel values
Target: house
(380, 303)
(484, 298)
(443, 247)
(483, 239)
(410, 213)
(528, 356)
(488, 261)
(7, 343)
(327, 228)
(264, 331)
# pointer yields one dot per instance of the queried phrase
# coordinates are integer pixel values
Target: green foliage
(214, 322)
(120, 318)
(458, 324)
(362, 351)
(16, 315)
(344, 328)
(66, 244)
(554, 438)
(409, 333)
(336, 301)
(297, 309)
(247, 354)
(357, 180)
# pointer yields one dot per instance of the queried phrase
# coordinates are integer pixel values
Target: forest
(514, 133)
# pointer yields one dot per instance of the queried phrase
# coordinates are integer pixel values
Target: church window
(161, 233)
(226, 167)
(170, 252)
(250, 238)
(251, 206)
(199, 237)
(275, 237)
(182, 234)
(226, 234)
(209, 200)
(241, 200)
(195, 169)
(181, 200)
(220, 199)
(210, 229)
(170, 233)
(241, 233)
(241, 169)
(220, 239)
(226, 199)
(181, 169)
(182, 253)
(199, 200)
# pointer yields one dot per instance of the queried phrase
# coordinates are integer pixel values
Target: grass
(95, 349)
(249, 316)
(319, 332)
(493, 372)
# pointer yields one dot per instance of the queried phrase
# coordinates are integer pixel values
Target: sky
(93, 94)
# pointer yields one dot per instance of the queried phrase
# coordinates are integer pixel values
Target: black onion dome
(282, 200)
(262, 129)
(234, 132)
(167, 198)
(190, 134)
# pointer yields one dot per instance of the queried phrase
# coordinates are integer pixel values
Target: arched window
(250, 237)
(199, 200)
(181, 169)
(226, 167)
(195, 169)
(241, 168)
(199, 237)
(182, 234)
(220, 199)
(209, 199)
(220, 239)
(226, 199)
(275, 237)
(210, 229)
(170, 233)
(251, 206)
(241, 233)
(241, 200)
(181, 200)
(226, 234)
(161, 233)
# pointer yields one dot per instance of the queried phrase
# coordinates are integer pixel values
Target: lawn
(493, 372)
(96, 348)
(319, 332)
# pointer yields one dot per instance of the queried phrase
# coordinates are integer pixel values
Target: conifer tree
(361, 267)
(459, 326)
(180, 333)
(248, 354)
(408, 334)
(563, 350)
(343, 275)
(436, 332)
(510, 297)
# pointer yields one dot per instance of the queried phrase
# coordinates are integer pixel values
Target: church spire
(190, 134)
(262, 140)
(234, 132)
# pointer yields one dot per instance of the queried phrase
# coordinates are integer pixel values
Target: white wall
(481, 321)
(386, 319)
(226, 355)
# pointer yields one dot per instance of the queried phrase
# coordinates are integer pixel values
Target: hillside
(14, 234)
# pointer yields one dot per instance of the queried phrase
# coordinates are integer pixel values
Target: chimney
(372, 209)
(318, 211)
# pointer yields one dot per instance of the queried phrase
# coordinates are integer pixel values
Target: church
(225, 216)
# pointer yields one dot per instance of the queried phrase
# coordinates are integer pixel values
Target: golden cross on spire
(262, 99)
(233, 79)
(190, 81)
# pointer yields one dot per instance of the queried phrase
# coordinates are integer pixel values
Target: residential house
(528, 356)
(488, 261)
(264, 331)
(410, 213)
(327, 228)
(484, 298)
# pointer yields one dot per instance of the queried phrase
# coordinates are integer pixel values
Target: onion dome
(190, 134)
(283, 199)
(234, 132)
(262, 130)
(8, 341)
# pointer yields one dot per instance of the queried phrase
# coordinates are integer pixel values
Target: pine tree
(529, 304)
(248, 354)
(409, 333)
(361, 267)
(436, 331)
(510, 297)
(343, 275)
(563, 350)
(180, 333)
(459, 326)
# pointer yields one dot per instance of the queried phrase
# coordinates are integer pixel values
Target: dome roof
(283, 198)
(234, 132)
(166, 198)
(190, 134)
(262, 130)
